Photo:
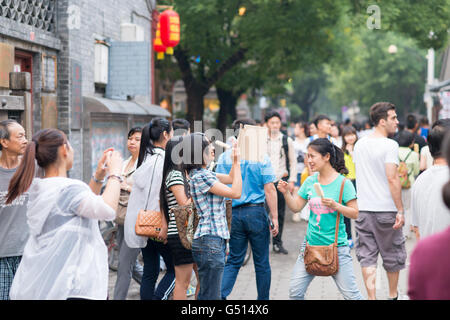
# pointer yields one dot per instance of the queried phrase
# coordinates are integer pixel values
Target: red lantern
(158, 46)
(170, 29)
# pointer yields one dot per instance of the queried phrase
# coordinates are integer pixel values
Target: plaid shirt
(210, 207)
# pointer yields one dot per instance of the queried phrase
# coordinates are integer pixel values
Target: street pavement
(321, 288)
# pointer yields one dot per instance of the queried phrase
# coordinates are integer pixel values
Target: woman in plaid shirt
(209, 190)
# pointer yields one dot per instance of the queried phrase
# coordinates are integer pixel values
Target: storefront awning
(104, 105)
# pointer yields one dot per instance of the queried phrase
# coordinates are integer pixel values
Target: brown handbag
(149, 222)
(122, 207)
(123, 204)
(229, 210)
(323, 260)
(186, 218)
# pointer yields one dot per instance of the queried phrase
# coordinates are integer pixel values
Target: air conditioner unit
(101, 63)
(131, 32)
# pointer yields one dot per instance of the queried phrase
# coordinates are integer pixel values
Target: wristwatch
(401, 212)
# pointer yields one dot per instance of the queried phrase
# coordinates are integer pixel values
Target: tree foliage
(272, 39)
(275, 40)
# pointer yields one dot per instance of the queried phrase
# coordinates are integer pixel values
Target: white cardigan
(140, 194)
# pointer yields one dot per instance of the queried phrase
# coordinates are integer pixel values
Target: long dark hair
(152, 133)
(324, 147)
(346, 131)
(170, 165)
(43, 148)
(192, 151)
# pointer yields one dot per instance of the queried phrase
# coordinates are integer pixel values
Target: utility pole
(428, 99)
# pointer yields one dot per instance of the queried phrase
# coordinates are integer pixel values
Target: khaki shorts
(375, 235)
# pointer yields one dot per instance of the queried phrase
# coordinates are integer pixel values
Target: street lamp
(392, 49)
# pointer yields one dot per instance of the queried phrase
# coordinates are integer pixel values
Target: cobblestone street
(321, 288)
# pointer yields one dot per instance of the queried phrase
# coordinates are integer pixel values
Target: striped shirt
(173, 178)
(210, 207)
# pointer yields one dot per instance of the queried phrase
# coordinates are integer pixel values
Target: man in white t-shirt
(429, 213)
(381, 216)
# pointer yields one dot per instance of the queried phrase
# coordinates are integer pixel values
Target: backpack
(403, 173)
(286, 152)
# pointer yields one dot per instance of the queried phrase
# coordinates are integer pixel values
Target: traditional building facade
(82, 66)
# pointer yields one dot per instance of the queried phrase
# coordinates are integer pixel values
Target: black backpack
(286, 152)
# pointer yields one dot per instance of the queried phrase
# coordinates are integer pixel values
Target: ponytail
(152, 133)
(43, 148)
(337, 160)
(446, 151)
(446, 194)
(23, 177)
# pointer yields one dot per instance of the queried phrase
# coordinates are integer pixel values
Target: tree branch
(237, 57)
(186, 72)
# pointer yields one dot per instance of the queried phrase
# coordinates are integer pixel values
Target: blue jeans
(209, 255)
(151, 254)
(344, 279)
(249, 224)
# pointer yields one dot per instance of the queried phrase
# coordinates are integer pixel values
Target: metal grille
(15, 115)
(40, 14)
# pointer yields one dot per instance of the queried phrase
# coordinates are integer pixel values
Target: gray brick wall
(101, 18)
(129, 65)
(97, 18)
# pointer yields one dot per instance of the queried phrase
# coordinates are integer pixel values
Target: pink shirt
(429, 276)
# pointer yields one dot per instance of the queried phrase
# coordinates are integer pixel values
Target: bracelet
(98, 181)
(119, 178)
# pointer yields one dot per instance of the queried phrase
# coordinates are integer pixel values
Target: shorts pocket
(386, 218)
(361, 217)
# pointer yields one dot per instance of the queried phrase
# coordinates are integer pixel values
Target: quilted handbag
(149, 222)
(323, 260)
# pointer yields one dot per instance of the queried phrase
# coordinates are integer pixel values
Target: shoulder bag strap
(285, 146)
(338, 213)
(151, 182)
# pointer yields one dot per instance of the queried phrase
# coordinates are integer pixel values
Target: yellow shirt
(350, 165)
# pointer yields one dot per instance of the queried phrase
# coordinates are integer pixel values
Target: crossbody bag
(323, 260)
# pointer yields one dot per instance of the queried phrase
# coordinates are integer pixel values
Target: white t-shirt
(370, 156)
(425, 152)
(428, 210)
(144, 195)
(300, 153)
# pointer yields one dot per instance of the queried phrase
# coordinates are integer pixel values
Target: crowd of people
(391, 181)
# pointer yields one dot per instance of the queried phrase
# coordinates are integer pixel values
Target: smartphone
(108, 155)
(270, 223)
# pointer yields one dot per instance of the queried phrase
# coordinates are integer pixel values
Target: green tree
(413, 18)
(375, 74)
(271, 38)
